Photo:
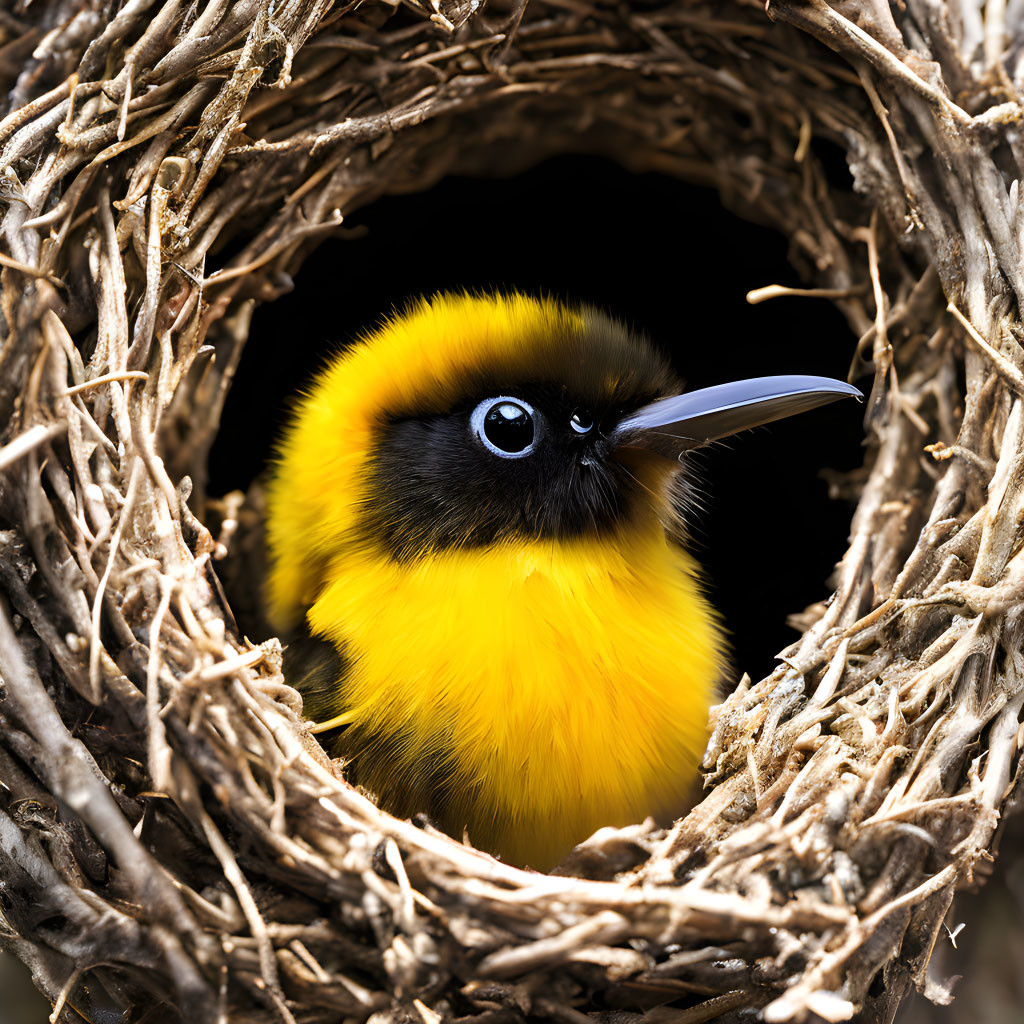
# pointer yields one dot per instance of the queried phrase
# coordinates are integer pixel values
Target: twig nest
(169, 833)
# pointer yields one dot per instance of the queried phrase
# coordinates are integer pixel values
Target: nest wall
(171, 841)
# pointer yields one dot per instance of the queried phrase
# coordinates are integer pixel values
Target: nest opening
(550, 235)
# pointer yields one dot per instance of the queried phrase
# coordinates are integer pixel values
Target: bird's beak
(674, 425)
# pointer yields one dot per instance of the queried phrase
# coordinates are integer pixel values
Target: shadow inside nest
(758, 570)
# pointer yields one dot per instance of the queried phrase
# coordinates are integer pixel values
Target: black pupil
(582, 421)
(509, 427)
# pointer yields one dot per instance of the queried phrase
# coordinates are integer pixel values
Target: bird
(476, 523)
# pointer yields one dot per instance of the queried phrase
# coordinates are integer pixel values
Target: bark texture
(171, 842)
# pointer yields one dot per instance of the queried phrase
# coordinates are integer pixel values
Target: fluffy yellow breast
(526, 694)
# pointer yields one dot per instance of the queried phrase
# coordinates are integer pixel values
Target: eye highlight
(507, 427)
(581, 421)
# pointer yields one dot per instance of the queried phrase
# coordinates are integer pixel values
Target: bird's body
(517, 643)
(528, 694)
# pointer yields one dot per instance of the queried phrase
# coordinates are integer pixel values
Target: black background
(661, 255)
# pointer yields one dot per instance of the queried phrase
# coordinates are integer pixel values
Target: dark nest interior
(173, 843)
(549, 239)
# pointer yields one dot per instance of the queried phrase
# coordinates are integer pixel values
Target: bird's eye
(581, 421)
(506, 426)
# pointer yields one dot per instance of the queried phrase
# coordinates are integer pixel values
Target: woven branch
(170, 837)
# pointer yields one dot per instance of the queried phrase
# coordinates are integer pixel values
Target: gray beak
(674, 425)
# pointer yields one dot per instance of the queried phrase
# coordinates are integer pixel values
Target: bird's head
(473, 421)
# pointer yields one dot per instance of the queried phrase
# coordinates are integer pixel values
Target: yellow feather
(552, 686)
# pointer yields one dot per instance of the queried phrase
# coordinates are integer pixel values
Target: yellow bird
(475, 528)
